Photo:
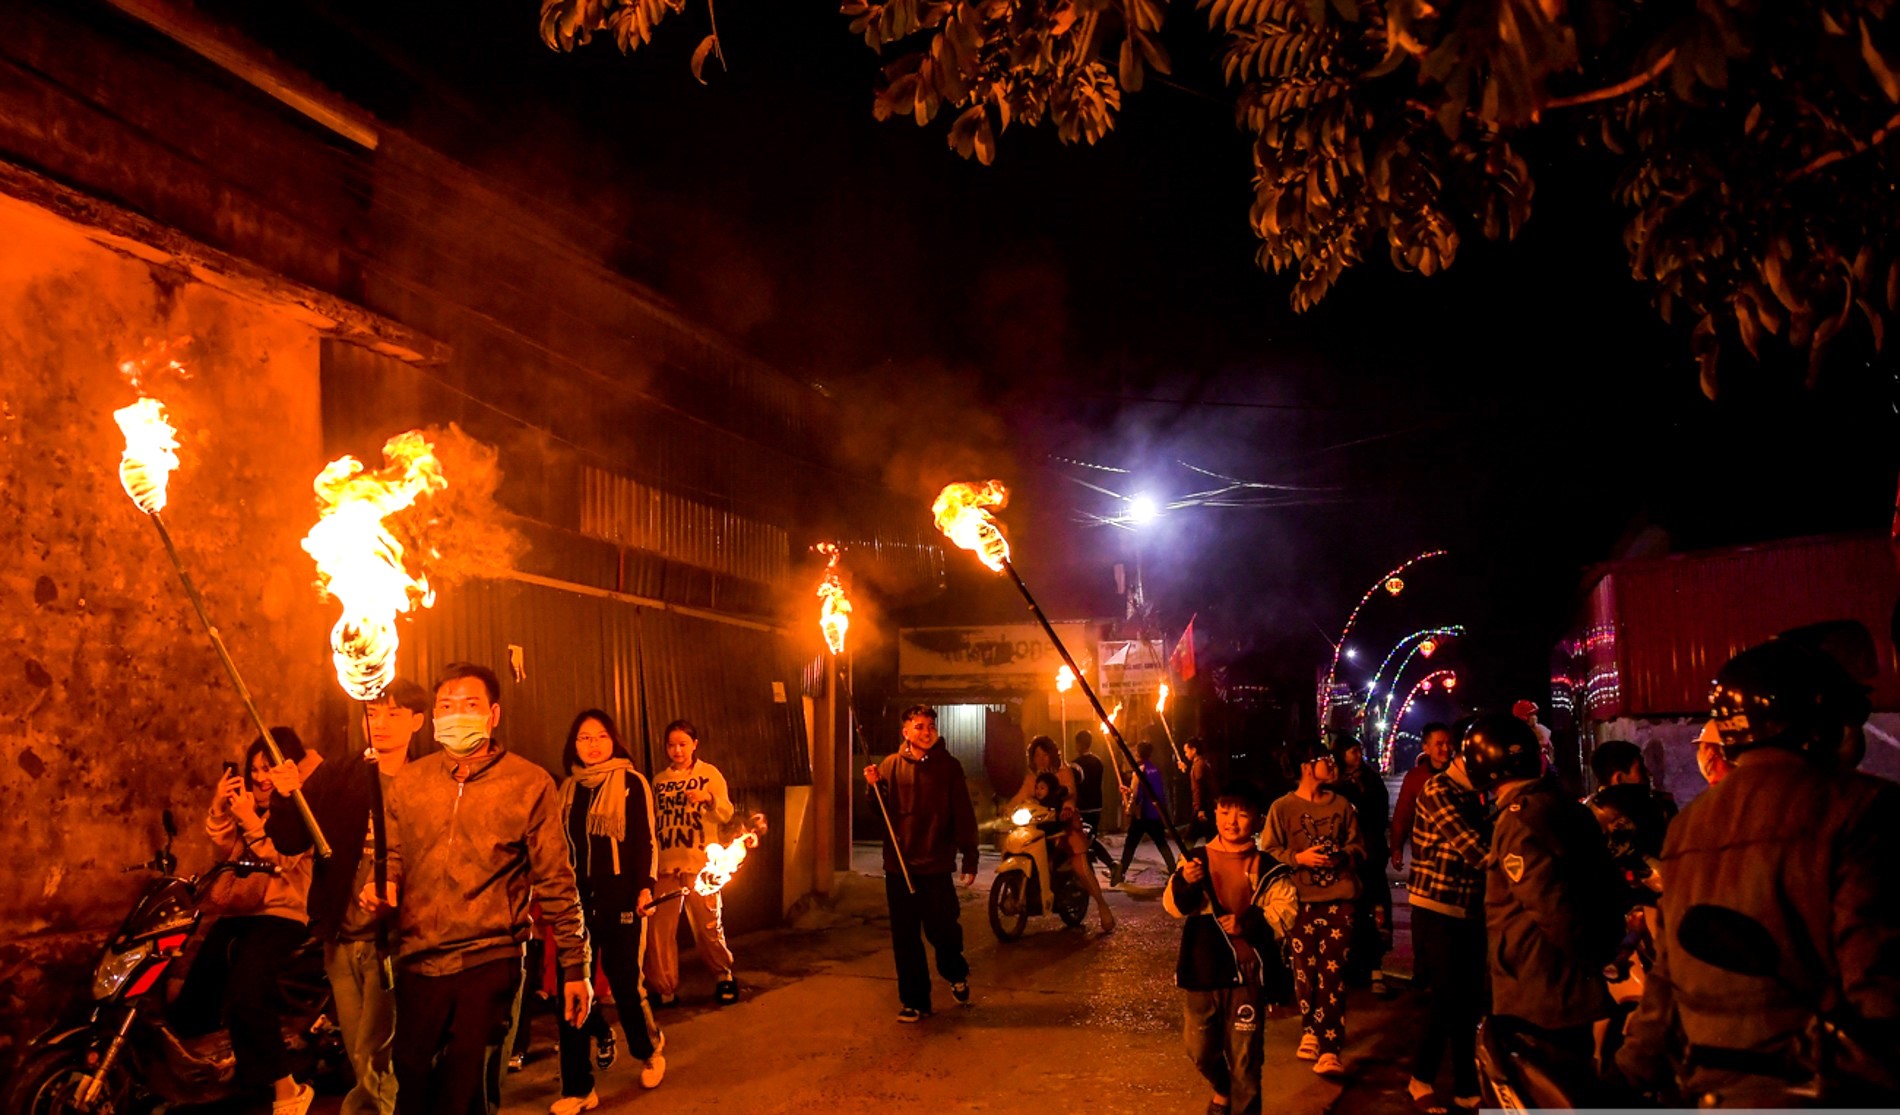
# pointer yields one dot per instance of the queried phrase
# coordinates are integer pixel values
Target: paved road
(1062, 1021)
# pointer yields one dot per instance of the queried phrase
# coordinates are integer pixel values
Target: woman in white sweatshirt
(693, 803)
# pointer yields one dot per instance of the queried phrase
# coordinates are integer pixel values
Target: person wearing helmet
(1550, 913)
(1805, 1001)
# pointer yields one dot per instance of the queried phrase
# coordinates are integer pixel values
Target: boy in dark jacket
(1235, 902)
(934, 824)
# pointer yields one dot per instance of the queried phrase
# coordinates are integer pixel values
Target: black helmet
(1785, 694)
(1499, 748)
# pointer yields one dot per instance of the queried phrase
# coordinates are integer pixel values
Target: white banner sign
(1016, 657)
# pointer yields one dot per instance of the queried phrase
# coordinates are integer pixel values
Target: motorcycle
(121, 1052)
(1025, 884)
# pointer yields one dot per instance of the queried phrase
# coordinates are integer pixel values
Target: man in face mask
(459, 822)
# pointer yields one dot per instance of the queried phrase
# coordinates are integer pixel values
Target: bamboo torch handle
(237, 682)
(1114, 733)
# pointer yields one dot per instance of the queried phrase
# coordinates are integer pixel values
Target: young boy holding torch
(930, 824)
(474, 834)
(1236, 901)
(344, 800)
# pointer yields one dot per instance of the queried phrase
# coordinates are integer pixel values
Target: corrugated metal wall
(1657, 631)
(645, 667)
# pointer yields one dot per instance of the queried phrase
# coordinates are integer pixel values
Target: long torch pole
(237, 682)
(896, 852)
(1114, 733)
(379, 836)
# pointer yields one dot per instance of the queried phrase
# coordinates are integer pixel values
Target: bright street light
(1142, 509)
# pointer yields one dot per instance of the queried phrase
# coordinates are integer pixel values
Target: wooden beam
(252, 64)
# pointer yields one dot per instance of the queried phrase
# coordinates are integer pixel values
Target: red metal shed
(1653, 632)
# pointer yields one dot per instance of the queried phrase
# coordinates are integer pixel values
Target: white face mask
(461, 734)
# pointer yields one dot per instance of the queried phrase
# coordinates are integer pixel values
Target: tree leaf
(706, 46)
(1130, 66)
(1877, 63)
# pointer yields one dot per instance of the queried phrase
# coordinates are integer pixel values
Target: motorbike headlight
(114, 970)
(1021, 817)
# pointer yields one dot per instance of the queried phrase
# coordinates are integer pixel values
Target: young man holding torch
(344, 799)
(474, 835)
(931, 823)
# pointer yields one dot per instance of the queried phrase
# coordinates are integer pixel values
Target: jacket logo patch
(1514, 867)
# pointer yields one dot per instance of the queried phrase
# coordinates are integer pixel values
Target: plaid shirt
(1450, 838)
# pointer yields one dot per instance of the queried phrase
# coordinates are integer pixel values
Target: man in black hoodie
(346, 796)
(934, 823)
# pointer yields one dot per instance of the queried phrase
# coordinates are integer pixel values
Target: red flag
(1182, 660)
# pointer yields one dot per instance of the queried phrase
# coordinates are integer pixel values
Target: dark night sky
(1526, 409)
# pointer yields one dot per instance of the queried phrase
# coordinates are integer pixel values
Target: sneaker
(960, 991)
(1309, 1048)
(517, 1062)
(653, 1070)
(1116, 874)
(658, 1001)
(726, 991)
(574, 1105)
(912, 1014)
(1329, 1064)
(297, 1104)
(605, 1050)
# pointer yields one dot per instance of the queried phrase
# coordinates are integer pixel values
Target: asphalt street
(1061, 1021)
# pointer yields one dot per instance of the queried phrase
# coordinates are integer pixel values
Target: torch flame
(722, 860)
(1065, 680)
(963, 515)
(151, 453)
(1161, 700)
(1111, 717)
(834, 616)
(361, 564)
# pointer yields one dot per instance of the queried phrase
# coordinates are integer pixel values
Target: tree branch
(1611, 92)
(1832, 157)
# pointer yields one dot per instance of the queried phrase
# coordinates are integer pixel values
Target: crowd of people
(445, 868)
(1759, 926)
(1760, 922)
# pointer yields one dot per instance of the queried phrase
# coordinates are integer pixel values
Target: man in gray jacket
(474, 836)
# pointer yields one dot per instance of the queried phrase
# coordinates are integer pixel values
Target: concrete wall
(112, 704)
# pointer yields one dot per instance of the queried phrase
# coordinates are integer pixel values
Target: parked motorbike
(1025, 884)
(121, 1052)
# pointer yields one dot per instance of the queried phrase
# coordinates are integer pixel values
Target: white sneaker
(574, 1105)
(1329, 1064)
(653, 1071)
(295, 1105)
(1309, 1048)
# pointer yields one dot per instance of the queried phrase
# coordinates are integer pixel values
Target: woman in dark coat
(607, 812)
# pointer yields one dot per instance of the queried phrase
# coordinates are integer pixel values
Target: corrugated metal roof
(1655, 632)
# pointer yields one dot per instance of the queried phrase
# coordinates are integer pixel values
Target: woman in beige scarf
(607, 813)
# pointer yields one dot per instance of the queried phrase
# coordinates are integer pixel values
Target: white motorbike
(1025, 884)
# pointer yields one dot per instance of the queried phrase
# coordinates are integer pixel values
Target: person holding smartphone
(1315, 831)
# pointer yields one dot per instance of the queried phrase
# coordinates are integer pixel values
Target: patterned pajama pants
(1322, 936)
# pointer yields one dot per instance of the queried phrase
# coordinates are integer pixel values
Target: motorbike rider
(1073, 843)
(1797, 841)
(1550, 910)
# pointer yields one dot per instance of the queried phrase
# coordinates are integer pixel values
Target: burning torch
(835, 619)
(364, 567)
(145, 467)
(722, 863)
(963, 514)
(1161, 714)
